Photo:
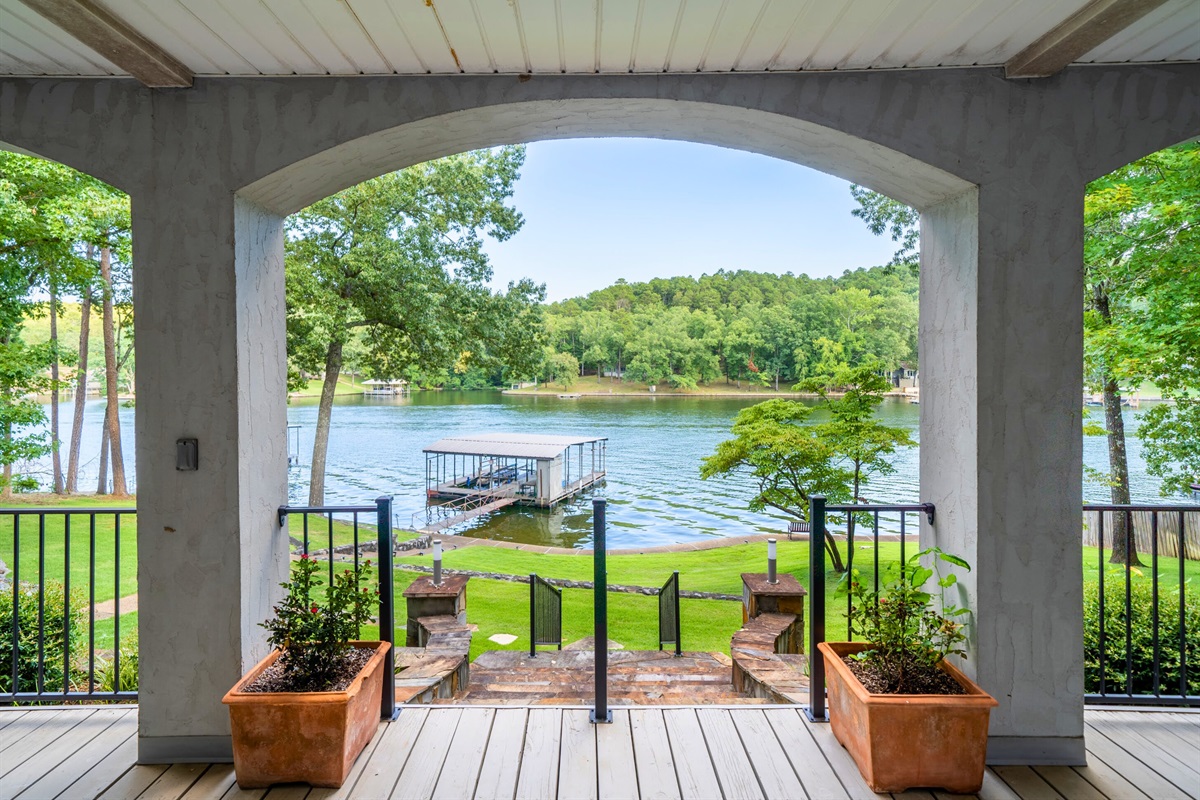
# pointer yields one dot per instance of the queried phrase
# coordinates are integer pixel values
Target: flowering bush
(909, 633)
(314, 642)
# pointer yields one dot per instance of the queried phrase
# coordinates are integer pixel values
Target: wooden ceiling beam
(114, 39)
(1078, 34)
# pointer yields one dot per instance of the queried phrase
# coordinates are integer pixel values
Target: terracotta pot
(310, 737)
(901, 741)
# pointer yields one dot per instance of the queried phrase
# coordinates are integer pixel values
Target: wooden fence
(1168, 531)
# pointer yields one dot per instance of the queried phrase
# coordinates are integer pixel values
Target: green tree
(787, 459)
(883, 215)
(858, 440)
(400, 257)
(1142, 273)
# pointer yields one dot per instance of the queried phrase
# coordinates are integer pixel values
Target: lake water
(654, 451)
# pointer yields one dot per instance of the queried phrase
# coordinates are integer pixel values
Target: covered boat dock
(532, 469)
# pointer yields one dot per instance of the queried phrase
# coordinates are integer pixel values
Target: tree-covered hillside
(742, 327)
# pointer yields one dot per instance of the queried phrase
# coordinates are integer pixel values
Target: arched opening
(263, 202)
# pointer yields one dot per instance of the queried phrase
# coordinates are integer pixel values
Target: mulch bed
(914, 680)
(274, 679)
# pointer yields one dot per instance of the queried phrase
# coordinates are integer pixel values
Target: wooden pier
(531, 469)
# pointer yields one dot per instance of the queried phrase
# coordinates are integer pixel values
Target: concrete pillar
(1001, 335)
(425, 599)
(211, 365)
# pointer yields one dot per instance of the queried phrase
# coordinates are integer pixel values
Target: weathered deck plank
(424, 765)
(734, 771)
(83, 761)
(27, 772)
(464, 758)
(380, 775)
(538, 779)
(1138, 773)
(656, 753)
(1027, 784)
(770, 762)
(689, 752)
(615, 765)
(1069, 783)
(502, 762)
(652, 750)
(819, 779)
(577, 775)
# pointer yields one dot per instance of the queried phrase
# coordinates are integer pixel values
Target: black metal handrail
(668, 614)
(545, 614)
(818, 516)
(1144, 530)
(26, 688)
(383, 545)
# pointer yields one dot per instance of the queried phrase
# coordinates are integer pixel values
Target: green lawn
(502, 606)
(53, 564)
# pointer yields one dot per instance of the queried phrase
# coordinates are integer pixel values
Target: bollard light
(437, 562)
(771, 561)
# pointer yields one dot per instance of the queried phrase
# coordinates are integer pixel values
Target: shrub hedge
(1141, 629)
(55, 612)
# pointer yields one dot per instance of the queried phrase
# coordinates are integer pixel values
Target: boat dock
(484, 472)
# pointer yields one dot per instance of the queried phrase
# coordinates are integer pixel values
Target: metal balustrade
(545, 614)
(342, 533)
(668, 614)
(1120, 666)
(51, 655)
(819, 518)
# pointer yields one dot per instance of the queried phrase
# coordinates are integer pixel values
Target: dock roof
(510, 445)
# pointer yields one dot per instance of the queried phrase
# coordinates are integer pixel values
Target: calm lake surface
(654, 451)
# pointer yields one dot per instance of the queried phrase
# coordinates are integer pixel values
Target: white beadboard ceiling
(382, 37)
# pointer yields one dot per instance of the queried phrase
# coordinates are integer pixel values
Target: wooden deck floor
(463, 752)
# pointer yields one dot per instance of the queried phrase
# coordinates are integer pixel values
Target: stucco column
(1001, 339)
(209, 330)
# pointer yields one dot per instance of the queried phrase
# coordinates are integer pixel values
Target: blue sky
(601, 209)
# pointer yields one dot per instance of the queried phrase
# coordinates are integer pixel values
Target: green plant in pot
(907, 716)
(306, 711)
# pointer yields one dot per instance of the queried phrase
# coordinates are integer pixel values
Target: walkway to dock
(468, 514)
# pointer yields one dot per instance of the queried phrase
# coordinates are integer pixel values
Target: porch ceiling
(154, 41)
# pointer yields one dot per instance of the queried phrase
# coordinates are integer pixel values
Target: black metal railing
(668, 614)
(341, 528)
(1141, 614)
(903, 527)
(545, 614)
(65, 570)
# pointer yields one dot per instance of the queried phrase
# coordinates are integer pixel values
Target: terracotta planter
(901, 741)
(311, 737)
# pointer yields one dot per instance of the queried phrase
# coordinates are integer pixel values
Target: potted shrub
(306, 711)
(908, 717)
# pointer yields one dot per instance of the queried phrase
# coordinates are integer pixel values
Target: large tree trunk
(112, 422)
(102, 482)
(55, 456)
(6, 491)
(85, 314)
(1124, 546)
(316, 481)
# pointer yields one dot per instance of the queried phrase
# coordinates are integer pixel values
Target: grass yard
(502, 606)
(53, 564)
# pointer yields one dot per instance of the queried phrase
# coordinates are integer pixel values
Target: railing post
(600, 599)
(387, 607)
(678, 622)
(533, 615)
(815, 711)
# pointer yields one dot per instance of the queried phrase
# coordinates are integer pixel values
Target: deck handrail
(1104, 694)
(382, 509)
(24, 687)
